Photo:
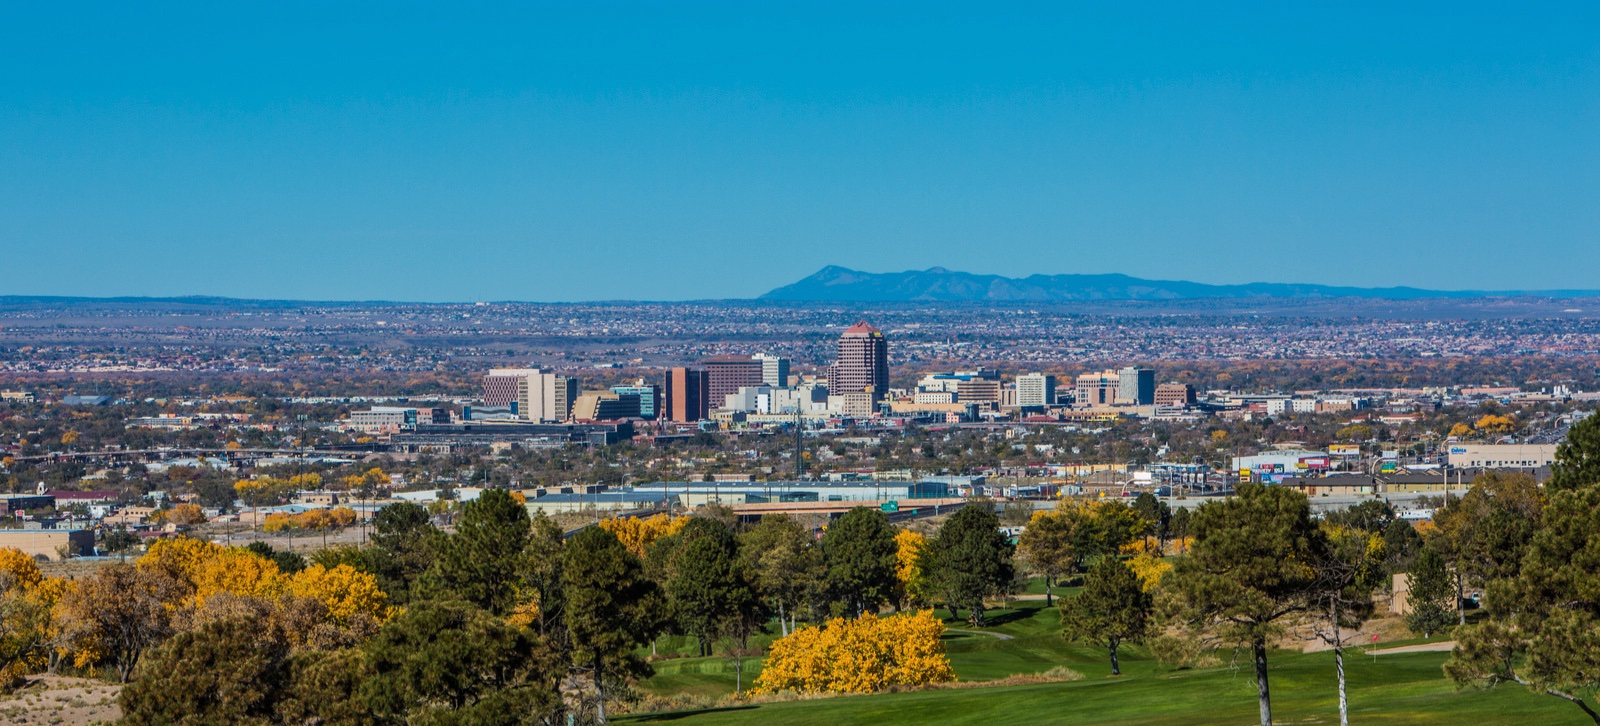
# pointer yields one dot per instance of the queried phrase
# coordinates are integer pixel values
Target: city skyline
(704, 152)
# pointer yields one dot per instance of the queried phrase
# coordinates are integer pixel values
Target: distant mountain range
(936, 284)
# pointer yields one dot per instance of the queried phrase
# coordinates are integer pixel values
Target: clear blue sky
(670, 150)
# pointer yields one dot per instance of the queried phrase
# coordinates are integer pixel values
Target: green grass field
(1399, 689)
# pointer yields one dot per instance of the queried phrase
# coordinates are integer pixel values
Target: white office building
(1036, 390)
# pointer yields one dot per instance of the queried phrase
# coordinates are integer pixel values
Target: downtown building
(859, 376)
(727, 375)
(683, 396)
(534, 395)
(1036, 390)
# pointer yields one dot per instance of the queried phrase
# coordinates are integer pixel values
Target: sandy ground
(1440, 647)
(61, 701)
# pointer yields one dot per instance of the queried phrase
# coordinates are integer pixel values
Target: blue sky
(671, 150)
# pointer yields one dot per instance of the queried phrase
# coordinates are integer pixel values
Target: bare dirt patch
(61, 701)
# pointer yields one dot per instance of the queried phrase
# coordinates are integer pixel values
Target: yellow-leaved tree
(237, 571)
(1496, 424)
(638, 533)
(24, 617)
(346, 591)
(186, 515)
(863, 655)
(207, 569)
(912, 586)
(178, 557)
(1149, 569)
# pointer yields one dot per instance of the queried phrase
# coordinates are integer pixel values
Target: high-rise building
(535, 395)
(1136, 386)
(1180, 395)
(649, 397)
(728, 375)
(862, 365)
(503, 387)
(1036, 390)
(774, 370)
(683, 395)
(1097, 390)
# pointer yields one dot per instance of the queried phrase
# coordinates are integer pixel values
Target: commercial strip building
(1501, 456)
(51, 544)
(797, 491)
(444, 438)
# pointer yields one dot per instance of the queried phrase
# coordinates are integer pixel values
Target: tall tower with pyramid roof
(862, 365)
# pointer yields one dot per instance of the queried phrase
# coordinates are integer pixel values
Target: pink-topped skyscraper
(862, 365)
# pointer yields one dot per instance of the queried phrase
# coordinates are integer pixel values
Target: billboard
(1344, 449)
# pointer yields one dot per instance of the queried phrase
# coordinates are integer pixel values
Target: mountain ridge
(937, 284)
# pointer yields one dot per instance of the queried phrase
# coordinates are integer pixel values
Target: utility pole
(799, 444)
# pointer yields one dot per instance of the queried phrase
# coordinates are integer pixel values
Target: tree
(347, 593)
(1483, 535)
(186, 515)
(1495, 424)
(454, 661)
(1349, 566)
(1429, 595)
(706, 585)
(610, 609)
(1543, 630)
(1017, 513)
(1112, 609)
(1107, 527)
(24, 616)
(125, 611)
(482, 562)
(120, 540)
(638, 533)
(1157, 517)
(227, 671)
(969, 561)
(784, 563)
(858, 655)
(289, 562)
(1246, 572)
(1369, 516)
(1577, 463)
(403, 545)
(1401, 545)
(325, 688)
(859, 552)
(539, 592)
(911, 580)
(1180, 524)
(1049, 547)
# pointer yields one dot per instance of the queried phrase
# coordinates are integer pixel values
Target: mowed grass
(1396, 689)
